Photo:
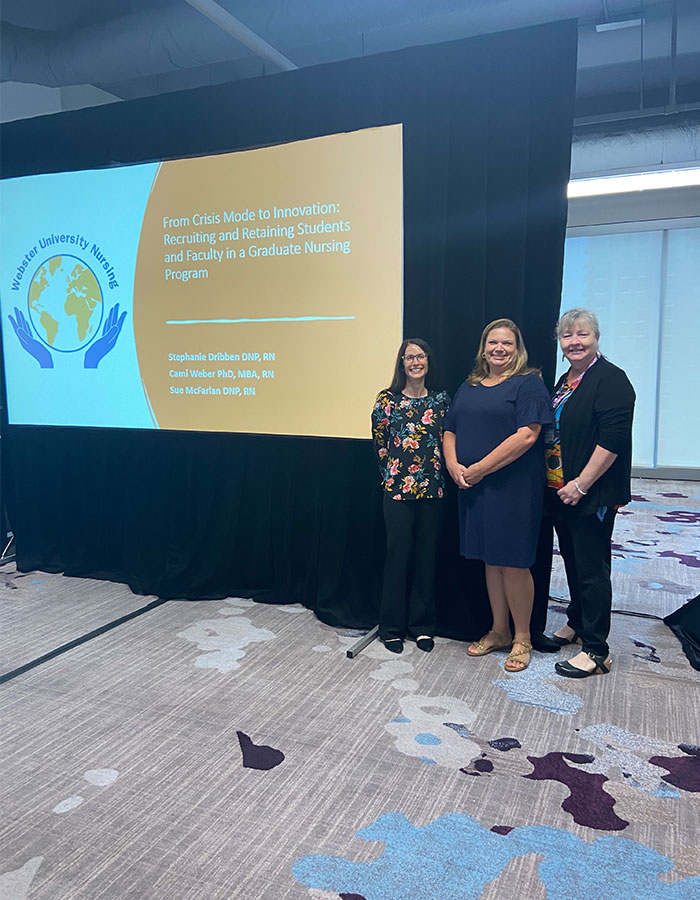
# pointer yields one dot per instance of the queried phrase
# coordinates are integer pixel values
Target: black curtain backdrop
(487, 134)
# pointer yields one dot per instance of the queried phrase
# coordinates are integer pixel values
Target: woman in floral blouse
(407, 430)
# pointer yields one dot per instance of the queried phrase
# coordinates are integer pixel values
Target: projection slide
(258, 291)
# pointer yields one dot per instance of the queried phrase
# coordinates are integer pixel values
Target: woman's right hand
(458, 474)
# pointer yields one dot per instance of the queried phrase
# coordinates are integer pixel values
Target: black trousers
(412, 528)
(541, 573)
(584, 543)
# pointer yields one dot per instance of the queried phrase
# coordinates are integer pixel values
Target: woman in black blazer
(589, 458)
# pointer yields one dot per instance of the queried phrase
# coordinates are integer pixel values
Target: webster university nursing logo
(65, 308)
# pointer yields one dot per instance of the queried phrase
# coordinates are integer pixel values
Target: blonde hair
(519, 365)
(577, 314)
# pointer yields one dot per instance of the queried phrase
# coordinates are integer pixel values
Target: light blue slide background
(106, 207)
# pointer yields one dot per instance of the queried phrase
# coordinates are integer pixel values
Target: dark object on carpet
(543, 643)
(685, 624)
(395, 645)
(258, 756)
(588, 803)
(505, 744)
(564, 642)
(568, 670)
(425, 643)
(683, 771)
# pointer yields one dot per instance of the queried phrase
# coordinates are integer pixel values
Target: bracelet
(582, 493)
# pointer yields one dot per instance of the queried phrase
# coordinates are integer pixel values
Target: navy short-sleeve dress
(500, 516)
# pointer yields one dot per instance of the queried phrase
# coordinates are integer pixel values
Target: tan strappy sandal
(479, 648)
(514, 661)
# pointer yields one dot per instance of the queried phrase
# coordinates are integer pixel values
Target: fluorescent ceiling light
(638, 181)
(615, 26)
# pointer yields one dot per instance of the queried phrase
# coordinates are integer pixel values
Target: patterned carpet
(656, 548)
(231, 750)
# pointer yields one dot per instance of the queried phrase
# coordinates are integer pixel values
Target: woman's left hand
(569, 494)
(473, 474)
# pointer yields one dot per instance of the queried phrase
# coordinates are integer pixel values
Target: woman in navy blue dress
(492, 451)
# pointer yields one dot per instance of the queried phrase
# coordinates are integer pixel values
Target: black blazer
(600, 412)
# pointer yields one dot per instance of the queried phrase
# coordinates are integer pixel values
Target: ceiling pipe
(632, 114)
(642, 15)
(223, 18)
(674, 56)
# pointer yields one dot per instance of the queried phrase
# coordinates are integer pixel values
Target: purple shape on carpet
(502, 829)
(692, 561)
(682, 516)
(639, 498)
(505, 744)
(258, 756)
(673, 495)
(651, 656)
(351, 897)
(683, 771)
(587, 803)
(690, 749)
(579, 757)
(483, 765)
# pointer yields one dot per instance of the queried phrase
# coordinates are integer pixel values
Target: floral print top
(407, 433)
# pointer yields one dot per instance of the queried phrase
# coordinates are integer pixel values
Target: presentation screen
(258, 291)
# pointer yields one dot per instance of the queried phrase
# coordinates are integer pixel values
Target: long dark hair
(398, 380)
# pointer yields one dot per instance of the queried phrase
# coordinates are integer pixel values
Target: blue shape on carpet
(664, 791)
(429, 739)
(401, 719)
(532, 687)
(426, 759)
(455, 857)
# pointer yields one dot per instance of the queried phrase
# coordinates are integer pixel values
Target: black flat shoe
(561, 641)
(543, 643)
(394, 645)
(425, 643)
(602, 667)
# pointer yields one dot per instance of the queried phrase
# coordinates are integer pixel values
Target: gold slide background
(326, 373)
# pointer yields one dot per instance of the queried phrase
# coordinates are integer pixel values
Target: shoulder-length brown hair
(398, 379)
(519, 365)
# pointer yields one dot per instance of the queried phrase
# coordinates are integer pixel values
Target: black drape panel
(487, 131)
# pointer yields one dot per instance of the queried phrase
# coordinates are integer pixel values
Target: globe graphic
(65, 303)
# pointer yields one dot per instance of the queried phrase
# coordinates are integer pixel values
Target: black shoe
(564, 642)
(602, 667)
(425, 643)
(543, 643)
(394, 645)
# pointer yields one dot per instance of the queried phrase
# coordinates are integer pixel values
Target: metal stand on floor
(363, 642)
(8, 554)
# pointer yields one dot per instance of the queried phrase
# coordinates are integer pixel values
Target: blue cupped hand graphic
(110, 332)
(29, 342)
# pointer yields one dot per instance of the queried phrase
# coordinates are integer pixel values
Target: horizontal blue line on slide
(243, 321)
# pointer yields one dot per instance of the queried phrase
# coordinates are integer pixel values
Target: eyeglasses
(414, 357)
